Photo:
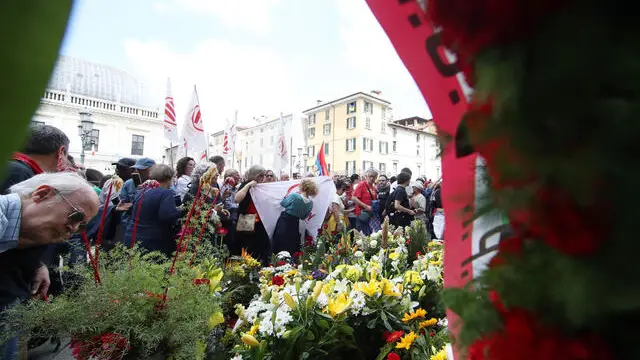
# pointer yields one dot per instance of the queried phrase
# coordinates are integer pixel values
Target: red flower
(393, 356)
(200, 281)
(524, 338)
(325, 226)
(432, 333)
(418, 253)
(308, 240)
(281, 263)
(222, 231)
(394, 336)
(298, 254)
(277, 280)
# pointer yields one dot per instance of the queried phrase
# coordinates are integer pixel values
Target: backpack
(390, 205)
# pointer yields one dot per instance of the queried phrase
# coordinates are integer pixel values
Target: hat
(418, 185)
(144, 163)
(125, 162)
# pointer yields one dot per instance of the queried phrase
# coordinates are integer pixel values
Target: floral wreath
(554, 120)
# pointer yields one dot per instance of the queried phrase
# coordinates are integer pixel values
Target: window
(137, 145)
(261, 130)
(395, 167)
(417, 137)
(350, 167)
(328, 167)
(383, 112)
(218, 140)
(326, 129)
(312, 119)
(311, 151)
(351, 122)
(261, 142)
(351, 144)
(383, 127)
(418, 151)
(366, 165)
(395, 132)
(326, 114)
(311, 133)
(394, 146)
(367, 144)
(367, 123)
(384, 147)
(326, 149)
(368, 107)
(383, 168)
(93, 140)
(351, 107)
(34, 122)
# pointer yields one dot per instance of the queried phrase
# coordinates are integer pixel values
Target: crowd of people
(49, 202)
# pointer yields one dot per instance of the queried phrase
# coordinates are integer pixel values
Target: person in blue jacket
(297, 206)
(158, 214)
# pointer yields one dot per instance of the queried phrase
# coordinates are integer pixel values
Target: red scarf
(18, 156)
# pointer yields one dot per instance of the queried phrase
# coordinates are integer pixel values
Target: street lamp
(85, 130)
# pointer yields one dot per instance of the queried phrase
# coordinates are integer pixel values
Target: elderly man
(44, 209)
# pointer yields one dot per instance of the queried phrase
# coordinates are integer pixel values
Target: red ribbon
(92, 260)
(102, 220)
(204, 225)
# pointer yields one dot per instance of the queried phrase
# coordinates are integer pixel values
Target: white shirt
(182, 185)
(393, 186)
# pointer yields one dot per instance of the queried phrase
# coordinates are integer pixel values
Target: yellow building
(354, 132)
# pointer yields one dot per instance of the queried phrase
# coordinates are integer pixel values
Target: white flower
(373, 244)
(433, 273)
(358, 301)
(395, 263)
(237, 357)
(359, 242)
(341, 286)
(266, 326)
(306, 286)
(283, 255)
(376, 235)
(358, 254)
(375, 258)
(282, 317)
(443, 322)
(322, 299)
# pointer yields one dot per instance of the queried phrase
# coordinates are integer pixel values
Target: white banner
(194, 142)
(170, 125)
(267, 197)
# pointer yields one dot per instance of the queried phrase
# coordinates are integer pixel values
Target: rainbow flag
(321, 164)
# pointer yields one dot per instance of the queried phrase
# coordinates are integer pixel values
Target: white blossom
(373, 244)
(358, 254)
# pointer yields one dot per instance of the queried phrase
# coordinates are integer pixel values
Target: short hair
(309, 187)
(403, 177)
(64, 182)
(354, 177)
(230, 172)
(44, 140)
(385, 176)
(201, 168)
(161, 173)
(216, 159)
(406, 170)
(372, 171)
(253, 172)
(181, 166)
(72, 161)
(93, 176)
(341, 184)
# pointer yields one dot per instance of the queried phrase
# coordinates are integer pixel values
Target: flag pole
(232, 137)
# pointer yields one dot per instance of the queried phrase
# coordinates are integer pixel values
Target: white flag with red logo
(229, 139)
(267, 196)
(170, 125)
(193, 140)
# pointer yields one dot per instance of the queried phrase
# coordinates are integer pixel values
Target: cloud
(254, 15)
(251, 79)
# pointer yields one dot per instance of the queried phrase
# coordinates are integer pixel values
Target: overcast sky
(260, 57)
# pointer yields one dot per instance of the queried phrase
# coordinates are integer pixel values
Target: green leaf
(31, 35)
(347, 330)
(323, 323)
(309, 336)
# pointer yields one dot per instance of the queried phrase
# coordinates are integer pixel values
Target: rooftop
(343, 99)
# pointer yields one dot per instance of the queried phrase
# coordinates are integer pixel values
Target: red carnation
(394, 336)
(281, 263)
(393, 356)
(277, 280)
(222, 231)
(524, 338)
(297, 254)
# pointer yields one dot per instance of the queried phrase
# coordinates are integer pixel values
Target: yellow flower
(419, 313)
(253, 330)
(215, 319)
(291, 272)
(413, 277)
(338, 305)
(317, 289)
(370, 289)
(440, 355)
(250, 340)
(436, 263)
(288, 299)
(406, 341)
(394, 256)
(388, 289)
(427, 323)
(353, 273)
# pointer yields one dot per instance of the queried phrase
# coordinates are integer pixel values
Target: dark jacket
(157, 221)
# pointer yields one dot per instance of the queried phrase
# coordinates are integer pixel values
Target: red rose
(393, 356)
(394, 336)
(297, 254)
(522, 337)
(277, 280)
(281, 263)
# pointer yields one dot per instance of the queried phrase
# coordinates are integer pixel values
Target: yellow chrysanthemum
(406, 341)
(338, 305)
(254, 330)
(440, 355)
(412, 277)
(419, 313)
(427, 323)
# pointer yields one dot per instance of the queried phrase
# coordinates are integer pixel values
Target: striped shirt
(10, 217)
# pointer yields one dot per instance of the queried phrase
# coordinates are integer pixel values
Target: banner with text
(468, 245)
(267, 197)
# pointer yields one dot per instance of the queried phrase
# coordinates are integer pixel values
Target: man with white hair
(42, 210)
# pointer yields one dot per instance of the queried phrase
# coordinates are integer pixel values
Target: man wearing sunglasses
(43, 210)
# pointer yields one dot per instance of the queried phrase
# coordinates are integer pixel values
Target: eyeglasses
(76, 216)
(269, 175)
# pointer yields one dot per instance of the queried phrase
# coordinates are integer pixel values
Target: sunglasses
(76, 216)
(269, 175)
